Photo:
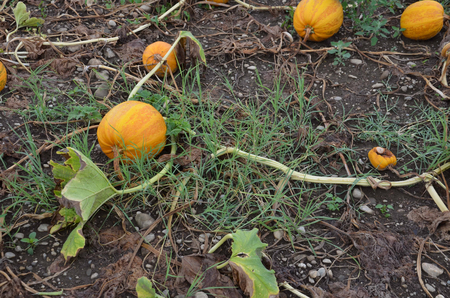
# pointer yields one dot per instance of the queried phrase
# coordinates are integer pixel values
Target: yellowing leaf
(74, 242)
(144, 288)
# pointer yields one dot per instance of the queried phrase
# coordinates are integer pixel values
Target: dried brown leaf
(16, 104)
(62, 66)
(132, 51)
(33, 46)
(340, 290)
(203, 266)
(433, 219)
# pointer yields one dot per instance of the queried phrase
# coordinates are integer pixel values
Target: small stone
(384, 75)
(150, 237)
(144, 220)
(145, 8)
(440, 296)
(43, 228)
(366, 209)
(102, 75)
(301, 230)
(430, 288)
(19, 235)
(403, 280)
(74, 48)
(432, 270)
(278, 234)
(404, 88)
(112, 23)
(18, 248)
(313, 273)
(89, 272)
(94, 275)
(311, 280)
(356, 61)
(200, 295)
(310, 258)
(352, 76)
(102, 91)
(109, 53)
(339, 252)
(377, 85)
(302, 265)
(313, 262)
(321, 272)
(411, 64)
(337, 98)
(330, 273)
(56, 244)
(357, 193)
(9, 255)
(284, 259)
(251, 67)
(326, 261)
(320, 127)
(95, 61)
(29, 268)
(34, 263)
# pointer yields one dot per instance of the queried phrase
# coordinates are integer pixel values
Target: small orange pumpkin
(382, 158)
(318, 20)
(3, 76)
(154, 53)
(422, 20)
(135, 128)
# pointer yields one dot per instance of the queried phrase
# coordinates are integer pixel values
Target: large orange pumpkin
(154, 53)
(3, 76)
(135, 128)
(422, 20)
(318, 20)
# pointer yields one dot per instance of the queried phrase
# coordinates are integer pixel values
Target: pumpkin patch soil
(368, 255)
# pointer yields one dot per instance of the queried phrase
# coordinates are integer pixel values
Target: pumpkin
(422, 20)
(382, 158)
(219, 1)
(154, 53)
(134, 128)
(3, 76)
(318, 20)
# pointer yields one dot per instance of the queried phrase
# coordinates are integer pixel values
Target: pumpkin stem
(116, 163)
(308, 32)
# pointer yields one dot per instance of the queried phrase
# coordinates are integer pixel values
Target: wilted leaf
(144, 288)
(74, 242)
(435, 220)
(84, 186)
(201, 269)
(68, 217)
(248, 270)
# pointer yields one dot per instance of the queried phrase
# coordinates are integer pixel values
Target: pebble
(145, 8)
(432, 270)
(89, 272)
(43, 228)
(411, 64)
(251, 67)
(102, 91)
(440, 296)
(144, 220)
(430, 288)
(18, 248)
(112, 23)
(337, 98)
(150, 237)
(9, 255)
(278, 234)
(74, 48)
(321, 272)
(357, 193)
(356, 61)
(200, 295)
(377, 85)
(94, 275)
(302, 265)
(352, 76)
(34, 263)
(109, 53)
(102, 75)
(56, 244)
(326, 261)
(311, 280)
(301, 230)
(384, 75)
(330, 273)
(95, 61)
(339, 252)
(404, 88)
(310, 258)
(366, 209)
(320, 127)
(313, 273)
(19, 235)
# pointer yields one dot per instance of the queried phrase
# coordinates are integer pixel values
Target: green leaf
(144, 288)
(84, 186)
(74, 242)
(257, 280)
(22, 17)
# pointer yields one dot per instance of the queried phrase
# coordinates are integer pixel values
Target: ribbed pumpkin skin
(3, 76)
(422, 20)
(154, 52)
(325, 17)
(135, 128)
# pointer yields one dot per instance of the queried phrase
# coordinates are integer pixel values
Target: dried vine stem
(252, 7)
(294, 175)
